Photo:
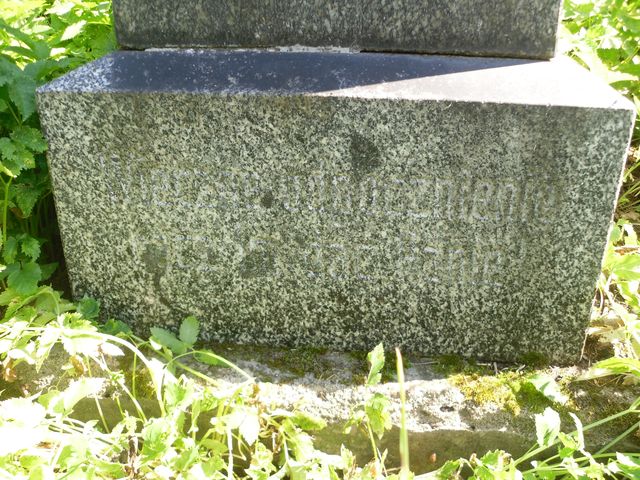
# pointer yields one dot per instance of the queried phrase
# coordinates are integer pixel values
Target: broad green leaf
(579, 431)
(548, 387)
(449, 470)
(30, 247)
(115, 327)
(569, 445)
(627, 464)
(8, 296)
(494, 458)
(249, 427)
(614, 366)
(38, 49)
(60, 8)
(189, 329)
(376, 363)
(62, 403)
(169, 340)
(43, 69)
(10, 250)
(630, 21)
(89, 308)
(73, 30)
(377, 411)
(547, 427)
(177, 394)
(82, 344)
(47, 270)
(4, 106)
(8, 70)
(15, 157)
(307, 421)
(22, 92)
(26, 196)
(155, 437)
(25, 279)
(29, 137)
(627, 267)
(261, 461)
(616, 234)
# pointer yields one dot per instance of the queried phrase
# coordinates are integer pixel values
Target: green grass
(40, 40)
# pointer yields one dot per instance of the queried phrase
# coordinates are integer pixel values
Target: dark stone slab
(445, 204)
(510, 28)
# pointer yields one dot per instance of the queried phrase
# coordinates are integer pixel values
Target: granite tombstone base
(443, 204)
(509, 28)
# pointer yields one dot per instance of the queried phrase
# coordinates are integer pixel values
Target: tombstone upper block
(444, 204)
(509, 28)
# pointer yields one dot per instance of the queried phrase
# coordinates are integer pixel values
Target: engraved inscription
(407, 257)
(420, 212)
(432, 198)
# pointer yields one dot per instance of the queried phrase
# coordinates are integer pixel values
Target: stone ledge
(443, 423)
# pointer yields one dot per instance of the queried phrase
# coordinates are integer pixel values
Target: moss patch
(301, 361)
(511, 391)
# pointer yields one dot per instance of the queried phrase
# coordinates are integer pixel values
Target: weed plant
(206, 429)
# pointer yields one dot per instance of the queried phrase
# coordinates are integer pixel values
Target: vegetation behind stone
(241, 438)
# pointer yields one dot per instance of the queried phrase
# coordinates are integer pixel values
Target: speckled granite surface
(448, 205)
(509, 28)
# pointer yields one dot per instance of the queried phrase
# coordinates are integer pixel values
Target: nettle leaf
(627, 267)
(30, 247)
(10, 250)
(38, 49)
(169, 340)
(177, 394)
(377, 411)
(4, 106)
(495, 459)
(60, 8)
(250, 426)
(73, 30)
(79, 389)
(7, 147)
(376, 362)
(614, 366)
(189, 330)
(307, 421)
(246, 420)
(89, 308)
(26, 196)
(548, 387)
(627, 464)
(47, 270)
(30, 137)
(22, 92)
(8, 70)
(15, 157)
(82, 344)
(24, 280)
(450, 469)
(42, 69)
(547, 427)
(115, 327)
(155, 436)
